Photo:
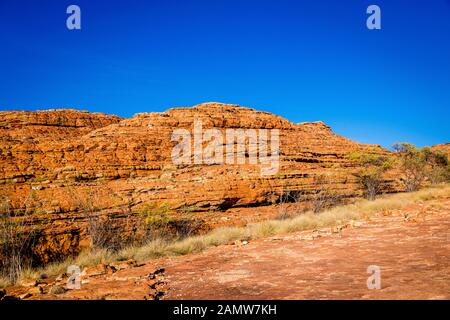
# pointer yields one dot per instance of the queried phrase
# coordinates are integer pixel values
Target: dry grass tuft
(4, 282)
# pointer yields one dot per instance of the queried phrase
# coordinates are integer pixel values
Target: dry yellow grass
(4, 283)
(360, 209)
(85, 258)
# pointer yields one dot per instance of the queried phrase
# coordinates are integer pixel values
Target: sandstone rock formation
(58, 163)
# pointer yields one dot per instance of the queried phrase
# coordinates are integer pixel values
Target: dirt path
(411, 247)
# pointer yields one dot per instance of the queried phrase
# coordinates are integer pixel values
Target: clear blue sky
(305, 60)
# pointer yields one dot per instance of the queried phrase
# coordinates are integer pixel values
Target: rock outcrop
(59, 163)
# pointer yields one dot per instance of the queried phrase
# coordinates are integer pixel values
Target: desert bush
(187, 225)
(438, 169)
(370, 175)
(439, 174)
(418, 164)
(103, 231)
(323, 196)
(412, 163)
(17, 237)
(287, 197)
(157, 219)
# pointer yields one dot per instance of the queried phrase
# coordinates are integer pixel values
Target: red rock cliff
(53, 160)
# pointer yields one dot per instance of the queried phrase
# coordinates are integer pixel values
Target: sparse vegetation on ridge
(418, 165)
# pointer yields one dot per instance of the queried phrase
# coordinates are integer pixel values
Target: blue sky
(305, 60)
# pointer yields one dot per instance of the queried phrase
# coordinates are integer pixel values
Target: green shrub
(370, 175)
(157, 219)
(418, 164)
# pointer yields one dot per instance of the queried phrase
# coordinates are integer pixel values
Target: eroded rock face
(58, 164)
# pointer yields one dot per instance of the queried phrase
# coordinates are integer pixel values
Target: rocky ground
(411, 246)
